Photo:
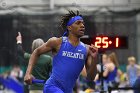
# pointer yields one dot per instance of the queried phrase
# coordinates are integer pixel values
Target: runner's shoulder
(55, 40)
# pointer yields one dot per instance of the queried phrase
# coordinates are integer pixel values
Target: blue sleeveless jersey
(112, 75)
(67, 65)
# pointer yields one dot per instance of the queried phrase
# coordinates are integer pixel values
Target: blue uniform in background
(132, 74)
(67, 65)
(109, 81)
(137, 85)
(112, 75)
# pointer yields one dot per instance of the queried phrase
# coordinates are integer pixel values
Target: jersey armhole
(62, 41)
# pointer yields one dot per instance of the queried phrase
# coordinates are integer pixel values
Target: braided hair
(67, 17)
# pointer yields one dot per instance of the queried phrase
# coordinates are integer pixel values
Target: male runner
(70, 56)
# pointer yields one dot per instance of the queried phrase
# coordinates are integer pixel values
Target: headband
(73, 19)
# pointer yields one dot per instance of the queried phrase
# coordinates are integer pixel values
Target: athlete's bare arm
(83, 72)
(52, 44)
(91, 62)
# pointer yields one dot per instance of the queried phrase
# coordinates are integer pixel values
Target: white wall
(70, 2)
(23, 2)
(94, 2)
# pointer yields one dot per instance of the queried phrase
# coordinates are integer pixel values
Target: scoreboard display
(107, 42)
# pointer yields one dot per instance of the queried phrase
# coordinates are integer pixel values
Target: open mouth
(82, 30)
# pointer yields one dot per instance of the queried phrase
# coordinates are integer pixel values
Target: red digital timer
(107, 42)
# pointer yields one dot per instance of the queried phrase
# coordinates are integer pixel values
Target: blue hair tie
(65, 33)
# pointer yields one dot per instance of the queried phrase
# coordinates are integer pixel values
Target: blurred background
(41, 19)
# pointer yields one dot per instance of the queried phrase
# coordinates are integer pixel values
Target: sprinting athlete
(70, 56)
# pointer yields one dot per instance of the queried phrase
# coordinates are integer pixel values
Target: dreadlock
(67, 17)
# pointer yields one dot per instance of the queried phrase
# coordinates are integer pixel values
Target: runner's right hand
(28, 78)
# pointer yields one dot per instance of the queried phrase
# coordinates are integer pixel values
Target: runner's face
(77, 28)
